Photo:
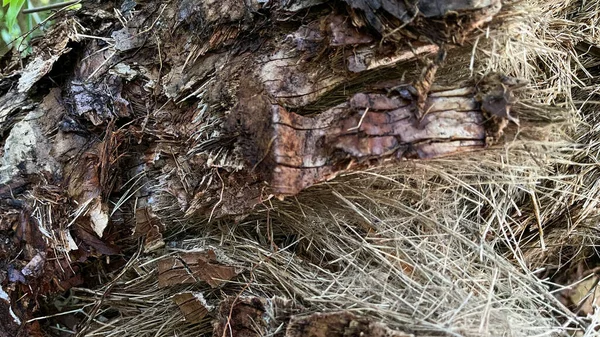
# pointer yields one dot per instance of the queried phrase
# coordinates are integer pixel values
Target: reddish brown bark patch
(292, 152)
(368, 128)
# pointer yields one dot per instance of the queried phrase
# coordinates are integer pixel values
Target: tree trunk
(123, 120)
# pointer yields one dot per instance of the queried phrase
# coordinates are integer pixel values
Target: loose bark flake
(148, 224)
(192, 267)
(46, 55)
(193, 306)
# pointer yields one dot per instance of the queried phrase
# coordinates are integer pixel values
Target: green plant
(17, 28)
(14, 7)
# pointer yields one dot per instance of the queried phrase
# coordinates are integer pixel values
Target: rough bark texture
(373, 128)
(117, 123)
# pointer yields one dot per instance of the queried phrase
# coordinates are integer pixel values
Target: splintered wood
(374, 128)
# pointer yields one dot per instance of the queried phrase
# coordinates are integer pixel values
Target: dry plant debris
(306, 167)
(192, 267)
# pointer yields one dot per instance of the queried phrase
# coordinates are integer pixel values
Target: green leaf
(5, 2)
(13, 11)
